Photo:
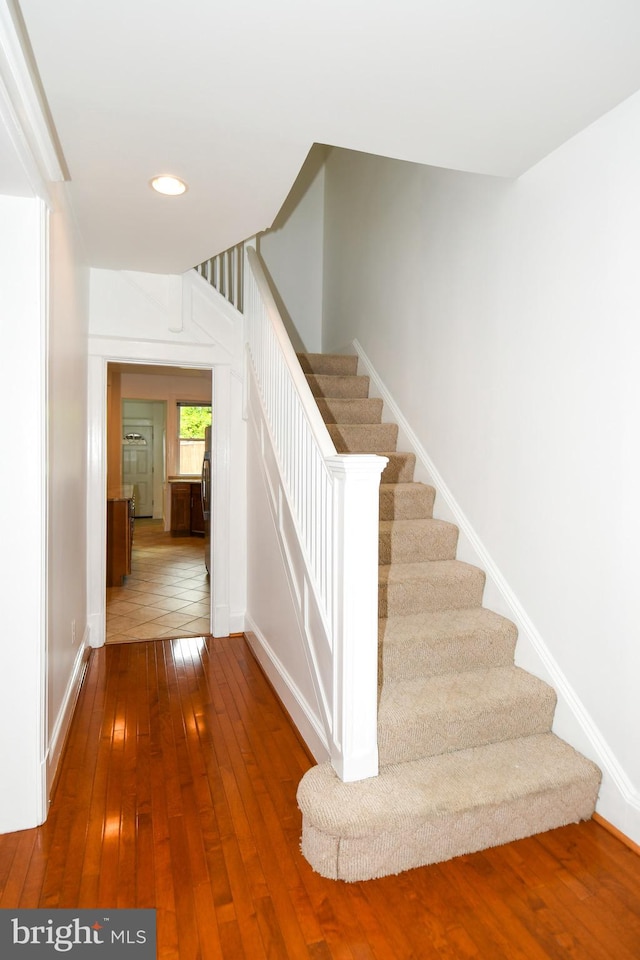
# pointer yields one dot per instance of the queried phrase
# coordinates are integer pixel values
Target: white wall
(292, 253)
(67, 635)
(503, 318)
(42, 496)
(22, 512)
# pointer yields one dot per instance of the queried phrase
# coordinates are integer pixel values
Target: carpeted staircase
(467, 757)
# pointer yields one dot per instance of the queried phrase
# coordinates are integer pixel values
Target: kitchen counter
(125, 492)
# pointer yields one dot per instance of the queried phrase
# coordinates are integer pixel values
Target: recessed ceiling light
(168, 185)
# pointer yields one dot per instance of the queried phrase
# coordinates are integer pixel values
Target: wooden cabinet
(197, 516)
(186, 509)
(180, 509)
(120, 518)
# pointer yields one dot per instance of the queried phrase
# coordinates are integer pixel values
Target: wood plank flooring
(177, 791)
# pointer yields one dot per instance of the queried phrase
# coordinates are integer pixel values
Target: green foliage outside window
(193, 420)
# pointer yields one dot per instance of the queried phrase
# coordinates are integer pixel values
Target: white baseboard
(288, 692)
(619, 801)
(65, 714)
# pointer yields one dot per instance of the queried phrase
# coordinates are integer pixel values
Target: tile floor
(167, 593)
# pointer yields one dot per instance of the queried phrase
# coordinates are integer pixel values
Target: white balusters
(225, 272)
(333, 501)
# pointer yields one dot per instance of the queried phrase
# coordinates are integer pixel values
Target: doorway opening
(164, 587)
(167, 593)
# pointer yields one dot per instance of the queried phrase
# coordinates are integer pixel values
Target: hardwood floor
(177, 791)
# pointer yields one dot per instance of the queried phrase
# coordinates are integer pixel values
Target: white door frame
(207, 357)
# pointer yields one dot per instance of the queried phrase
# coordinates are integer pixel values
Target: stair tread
(441, 626)
(419, 523)
(406, 794)
(452, 693)
(428, 570)
(407, 486)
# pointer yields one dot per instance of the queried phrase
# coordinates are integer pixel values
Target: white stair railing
(224, 272)
(332, 501)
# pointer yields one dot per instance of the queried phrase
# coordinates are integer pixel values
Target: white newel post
(355, 629)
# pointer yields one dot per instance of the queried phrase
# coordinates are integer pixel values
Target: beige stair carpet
(438, 808)
(444, 641)
(467, 757)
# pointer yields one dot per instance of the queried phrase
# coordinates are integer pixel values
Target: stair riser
(416, 736)
(398, 502)
(399, 661)
(335, 410)
(363, 438)
(432, 540)
(343, 387)
(331, 364)
(446, 836)
(402, 598)
(399, 469)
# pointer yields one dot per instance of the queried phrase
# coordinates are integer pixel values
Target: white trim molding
(63, 720)
(23, 107)
(288, 692)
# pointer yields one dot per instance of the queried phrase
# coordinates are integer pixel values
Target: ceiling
(231, 96)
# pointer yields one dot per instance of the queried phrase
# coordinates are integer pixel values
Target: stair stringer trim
(619, 799)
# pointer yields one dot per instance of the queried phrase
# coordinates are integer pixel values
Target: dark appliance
(206, 496)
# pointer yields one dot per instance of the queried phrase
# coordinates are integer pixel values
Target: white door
(137, 465)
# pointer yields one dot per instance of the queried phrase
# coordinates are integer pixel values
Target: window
(193, 418)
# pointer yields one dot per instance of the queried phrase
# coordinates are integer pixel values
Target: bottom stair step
(436, 808)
